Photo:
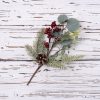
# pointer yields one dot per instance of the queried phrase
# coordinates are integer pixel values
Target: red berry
(53, 24)
(56, 29)
(46, 44)
(47, 31)
(50, 36)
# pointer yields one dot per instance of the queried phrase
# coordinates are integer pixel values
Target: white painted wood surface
(20, 20)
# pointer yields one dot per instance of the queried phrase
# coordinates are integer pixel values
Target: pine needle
(68, 59)
(31, 51)
(55, 63)
(39, 42)
(59, 63)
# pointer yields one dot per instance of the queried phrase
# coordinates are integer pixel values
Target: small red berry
(50, 35)
(46, 44)
(53, 24)
(56, 29)
(47, 31)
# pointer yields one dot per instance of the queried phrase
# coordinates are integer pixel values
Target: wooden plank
(20, 20)
(12, 44)
(81, 80)
(19, 27)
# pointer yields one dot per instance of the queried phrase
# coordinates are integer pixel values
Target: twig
(57, 51)
(34, 74)
(51, 49)
(49, 46)
(41, 64)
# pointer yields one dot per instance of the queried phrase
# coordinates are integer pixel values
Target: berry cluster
(52, 32)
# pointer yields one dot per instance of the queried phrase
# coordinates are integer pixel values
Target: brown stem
(57, 51)
(34, 74)
(51, 48)
(41, 64)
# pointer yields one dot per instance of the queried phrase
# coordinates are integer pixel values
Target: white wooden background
(20, 20)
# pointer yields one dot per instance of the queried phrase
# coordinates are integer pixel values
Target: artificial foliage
(53, 44)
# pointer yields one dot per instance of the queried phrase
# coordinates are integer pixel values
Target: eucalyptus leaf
(56, 33)
(65, 36)
(73, 24)
(62, 18)
(66, 42)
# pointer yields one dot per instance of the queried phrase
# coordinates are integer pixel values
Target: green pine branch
(62, 60)
(39, 45)
(57, 64)
(31, 52)
(68, 59)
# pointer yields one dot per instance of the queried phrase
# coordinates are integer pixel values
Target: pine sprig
(62, 60)
(55, 63)
(39, 42)
(70, 58)
(38, 46)
(31, 52)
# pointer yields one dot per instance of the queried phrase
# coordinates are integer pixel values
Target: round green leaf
(66, 42)
(56, 33)
(62, 18)
(65, 36)
(73, 24)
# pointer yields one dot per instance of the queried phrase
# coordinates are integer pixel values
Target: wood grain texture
(81, 80)
(20, 20)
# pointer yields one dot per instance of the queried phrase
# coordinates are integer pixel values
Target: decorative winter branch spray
(60, 36)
